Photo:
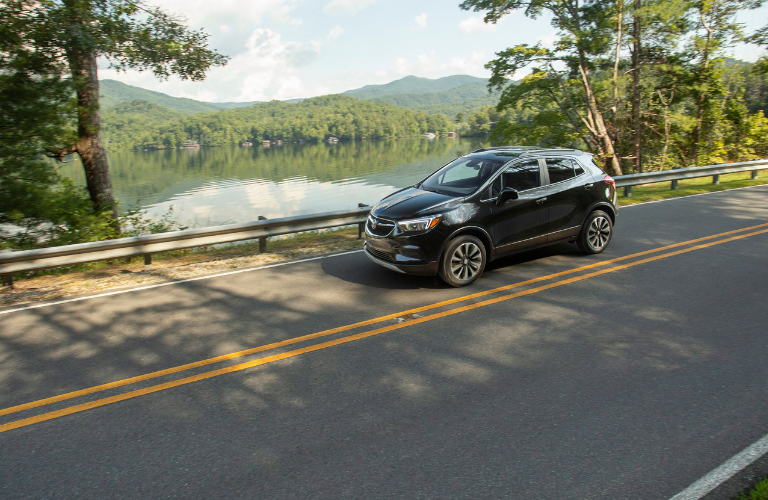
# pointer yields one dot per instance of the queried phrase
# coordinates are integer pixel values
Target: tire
(463, 261)
(596, 233)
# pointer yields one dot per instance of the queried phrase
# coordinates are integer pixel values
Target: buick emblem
(374, 223)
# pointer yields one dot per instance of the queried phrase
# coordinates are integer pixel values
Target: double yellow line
(324, 345)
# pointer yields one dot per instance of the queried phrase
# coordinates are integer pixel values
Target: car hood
(409, 202)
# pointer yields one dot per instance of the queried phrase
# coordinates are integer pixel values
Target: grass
(182, 264)
(661, 190)
(757, 492)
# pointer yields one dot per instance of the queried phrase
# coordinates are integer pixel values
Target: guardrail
(674, 175)
(31, 260)
(67, 255)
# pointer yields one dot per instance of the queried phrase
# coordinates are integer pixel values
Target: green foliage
(114, 92)
(132, 118)
(757, 492)
(696, 106)
(62, 215)
(462, 99)
(310, 120)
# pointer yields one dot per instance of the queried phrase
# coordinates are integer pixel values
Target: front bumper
(428, 269)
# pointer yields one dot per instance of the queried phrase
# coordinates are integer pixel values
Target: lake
(221, 185)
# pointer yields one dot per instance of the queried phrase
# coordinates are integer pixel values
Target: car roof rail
(555, 151)
(502, 148)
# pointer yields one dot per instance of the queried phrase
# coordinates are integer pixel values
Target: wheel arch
(605, 207)
(478, 233)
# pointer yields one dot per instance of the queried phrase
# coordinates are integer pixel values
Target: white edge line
(175, 282)
(147, 287)
(727, 470)
(673, 198)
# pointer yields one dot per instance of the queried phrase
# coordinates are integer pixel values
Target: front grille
(379, 254)
(383, 226)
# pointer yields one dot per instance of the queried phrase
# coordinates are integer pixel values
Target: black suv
(490, 203)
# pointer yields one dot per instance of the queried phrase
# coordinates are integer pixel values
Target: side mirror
(506, 195)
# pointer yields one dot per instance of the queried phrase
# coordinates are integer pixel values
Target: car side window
(522, 176)
(577, 168)
(559, 169)
(495, 188)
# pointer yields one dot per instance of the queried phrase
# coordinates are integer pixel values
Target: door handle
(541, 200)
(588, 186)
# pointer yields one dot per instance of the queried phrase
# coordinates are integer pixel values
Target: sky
(285, 49)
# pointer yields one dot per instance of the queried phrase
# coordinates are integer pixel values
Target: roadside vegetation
(142, 125)
(687, 187)
(642, 84)
(757, 492)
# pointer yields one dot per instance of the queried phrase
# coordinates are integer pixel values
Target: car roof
(515, 151)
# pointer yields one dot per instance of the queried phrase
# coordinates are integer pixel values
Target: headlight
(418, 225)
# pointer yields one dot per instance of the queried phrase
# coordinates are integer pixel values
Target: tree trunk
(84, 69)
(603, 137)
(701, 100)
(636, 100)
(616, 62)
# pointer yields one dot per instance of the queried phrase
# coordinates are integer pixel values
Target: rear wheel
(595, 233)
(463, 261)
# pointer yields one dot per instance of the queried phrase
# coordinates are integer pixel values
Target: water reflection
(210, 186)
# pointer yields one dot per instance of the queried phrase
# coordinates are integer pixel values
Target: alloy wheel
(599, 233)
(466, 261)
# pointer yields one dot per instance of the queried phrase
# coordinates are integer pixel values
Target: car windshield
(462, 176)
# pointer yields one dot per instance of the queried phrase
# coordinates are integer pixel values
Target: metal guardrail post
(754, 174)
(715, 179)
(8, 280)
(147, 261)
(262, 240)
(674, 182)
(628, 191)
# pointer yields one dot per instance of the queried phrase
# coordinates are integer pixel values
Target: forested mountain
(114, 92)
(130, 119)
(310, 120)
(465, 98)
(449, 95)
(414, 85)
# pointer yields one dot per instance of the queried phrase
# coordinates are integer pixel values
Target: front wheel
(463, 261)
(595, 233)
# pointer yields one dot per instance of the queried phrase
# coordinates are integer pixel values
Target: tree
(586, 32)
(70, 35)
(716, 31)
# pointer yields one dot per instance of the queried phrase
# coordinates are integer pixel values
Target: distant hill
(414, 85)
(131, 118)
(143, 125)
(449, 95)
(114, 92)
(462, 99)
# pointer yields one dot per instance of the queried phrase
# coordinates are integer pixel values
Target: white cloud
(548, 41)
(749, 53)
(474, 64)
(475, 25)
(421, 20)
(335, 32)
(427, 64)
(201, 13)
(269, 68)
(341, 7)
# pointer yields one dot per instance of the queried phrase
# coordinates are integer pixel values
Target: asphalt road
(629, 380)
